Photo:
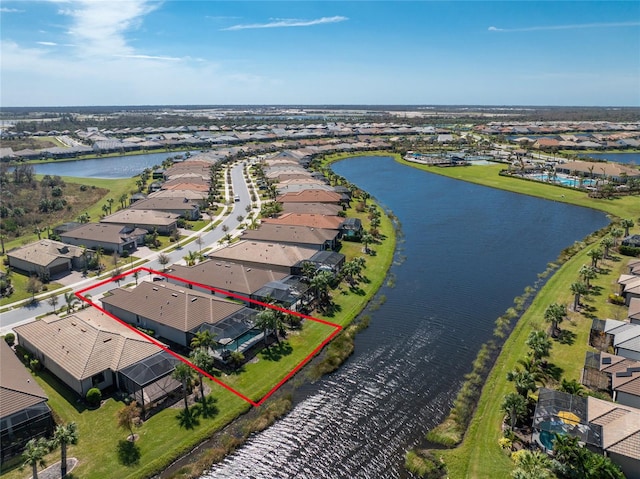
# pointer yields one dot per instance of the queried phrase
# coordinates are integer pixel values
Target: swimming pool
(564, 180)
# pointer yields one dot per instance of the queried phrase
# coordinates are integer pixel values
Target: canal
(467, 252)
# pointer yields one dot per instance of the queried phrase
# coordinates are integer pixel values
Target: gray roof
(262, 252)
(290, 234)
(142, 217)
(18, 389)
(44, 252)
(104, 232)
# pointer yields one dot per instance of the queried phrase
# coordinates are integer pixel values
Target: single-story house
(303, 236)
(24, 413)
(327, 209)
(633, 314)
(223, 275)
(605, 427)
(175, 313)
(629, 287)
(634, 266)
(110, 237)
(164, 223)
(48, 258)
(351, 229)
(184, 207)
(290, 293)
(615, 171)
(312, 196)
(277, 257)
(309, 220)
(88, 349)
(623, 337)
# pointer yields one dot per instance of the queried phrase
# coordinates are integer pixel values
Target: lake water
(112, 167)
(468, 251)
(627, 158)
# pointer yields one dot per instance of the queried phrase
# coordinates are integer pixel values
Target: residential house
(88, 349)
(629, 287)
(164, 223)
(308, 220)
(235, 278)
(303, 236)
(290, 293)
(632, 240)
(623, 337)
(633, 314)
(351, 229)
(322, 261)
(326, 209)
(183, 207)
(312, 196)
(109, 237)
(173, 312)
(24, 413)
(614, 171)
(48, 258)
(277, 257)
(605, 427)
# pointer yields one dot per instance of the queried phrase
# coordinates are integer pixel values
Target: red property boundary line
(337, 329)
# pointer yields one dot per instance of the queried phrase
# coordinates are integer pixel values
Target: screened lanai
(149, 381)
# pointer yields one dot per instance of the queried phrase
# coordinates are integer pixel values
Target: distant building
(48, 258)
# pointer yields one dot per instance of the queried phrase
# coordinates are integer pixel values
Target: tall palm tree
(184, 374)
(123, 200)
(204, 339)
(524, 381)
(71, 300)
(320, 283)
(515, 406)
(367, 239)
(539, 345)
(607, 242)
(34, 453)
(533, 465)
(265, 321)
(62, 436)
(626, 224)
(587, 273)
(595, 255)
(555, 314)
(201, 358)
(615, 234)
(578, 289)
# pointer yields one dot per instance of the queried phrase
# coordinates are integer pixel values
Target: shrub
(94, 396)
(10, 339)
(629, 250)
(34, 365)
(616, 299)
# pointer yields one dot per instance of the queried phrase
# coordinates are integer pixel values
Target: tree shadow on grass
(553, 371)
(566, 337)
(188, 419)
(206, 408)
(357, 290)
(275, 353)
(128, 453)
(365, 280)
(595, 291)
(332, 309)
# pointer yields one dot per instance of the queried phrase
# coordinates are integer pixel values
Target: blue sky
(143, 52)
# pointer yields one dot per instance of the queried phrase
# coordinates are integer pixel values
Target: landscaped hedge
(629, 250)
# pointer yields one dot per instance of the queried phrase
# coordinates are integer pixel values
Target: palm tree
(203, 339)
(578, 288)
(615, 234)
(533, 465)
(555, 314)
(71, 301)
(587, 273)
(265, 321)
(184, 374)
(572, 387)
(595, 255)
(191, 258)
(34, 453)
(105, 209)
(320, 284)
(110, 203)
(366, 240)
(515, 406)
(539, 345)
(626, 224)
(62, 436)
(200, 357)
(123, 200)
(524, 381)
(607, 242)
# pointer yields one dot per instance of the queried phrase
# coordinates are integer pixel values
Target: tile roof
(143, 217)
(44, 252)
(175, 306)
(18, 389)
(306, 219)
(261, 252)
(86, 343)
(310, 196)
(228, 276)
(328, 209)
(290, 234)
(104, 232)
(620, 426)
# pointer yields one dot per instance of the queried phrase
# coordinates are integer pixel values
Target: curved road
(11, 318)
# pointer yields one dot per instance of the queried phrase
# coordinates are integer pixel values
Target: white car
(236, 198)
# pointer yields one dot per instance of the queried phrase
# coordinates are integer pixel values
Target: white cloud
(48, 44)
(287, 22)
(150, 57)
(10, 10)
(566, 27)
(98, 28)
